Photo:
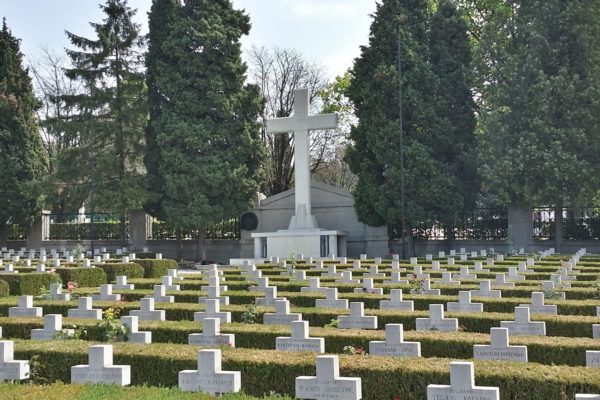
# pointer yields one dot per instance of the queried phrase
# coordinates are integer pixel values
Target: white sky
(328, 32)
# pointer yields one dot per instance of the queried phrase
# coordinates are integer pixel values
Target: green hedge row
(33, 284)
(84, 277)
(61, 391)
(4, 288)
(156, 268)
(265, 371)
(457, 345)
(561, 325)
(131, 270)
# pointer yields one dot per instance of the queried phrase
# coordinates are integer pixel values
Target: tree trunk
(3, 234)
(123, 230)
(558, 228)
(179, 246)
(201, 246)
(449, 238)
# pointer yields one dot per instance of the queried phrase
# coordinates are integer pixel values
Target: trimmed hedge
(4, 288)
(84, 277)
(156, 268)
(457, 345)
(61, 391)
(131, 270)
(32, 284)
(561, 325)
(265, 371)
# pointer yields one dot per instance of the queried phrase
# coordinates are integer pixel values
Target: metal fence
(225, 229)
(581, 223)
(16, 232)
(80, 227)
(479, 224)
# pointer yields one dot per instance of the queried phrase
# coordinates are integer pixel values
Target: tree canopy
(22, 159)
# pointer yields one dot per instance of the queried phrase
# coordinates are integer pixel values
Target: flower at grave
(71, 286)
(52, 271)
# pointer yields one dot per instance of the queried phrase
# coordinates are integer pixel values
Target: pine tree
(112, 114)
(207, 132)
(21, 153)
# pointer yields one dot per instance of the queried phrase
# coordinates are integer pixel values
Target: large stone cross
(301, 123)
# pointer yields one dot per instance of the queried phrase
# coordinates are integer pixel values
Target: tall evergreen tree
(21, 152)
(540, 144)
(112, 114)
(159, 64)
(453, 138)
(207, 131)
(437, 124)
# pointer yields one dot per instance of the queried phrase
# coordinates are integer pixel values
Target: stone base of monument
(315, 243)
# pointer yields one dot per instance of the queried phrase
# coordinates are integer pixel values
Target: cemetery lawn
(61, 391)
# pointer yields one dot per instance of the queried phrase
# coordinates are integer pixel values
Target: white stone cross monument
(328, 384)
(301, 123)
(462, 385)
(209, 377)
(394, 344)
(300, 340)
(303, 234)
(499, 348)
(101, 368)
(11, 369)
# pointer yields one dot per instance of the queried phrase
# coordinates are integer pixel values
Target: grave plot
(304, 327)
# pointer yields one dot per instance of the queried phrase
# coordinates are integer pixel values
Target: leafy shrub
(131, 270)
(4, 288)
(156, 268)
(84, 277)
(31, 284)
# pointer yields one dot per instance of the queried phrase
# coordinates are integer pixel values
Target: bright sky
(328, 32)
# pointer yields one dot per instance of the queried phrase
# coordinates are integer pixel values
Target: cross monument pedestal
(303, 234)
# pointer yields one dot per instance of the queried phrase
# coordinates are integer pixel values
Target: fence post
(520, 227)
(140, 229)
(39, 230)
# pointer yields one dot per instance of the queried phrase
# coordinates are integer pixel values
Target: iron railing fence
(105, 226)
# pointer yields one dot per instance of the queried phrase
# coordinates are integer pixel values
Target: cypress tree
(207, 133)
(22, 161)
(159, 65)
(374, 153)
(453, 141)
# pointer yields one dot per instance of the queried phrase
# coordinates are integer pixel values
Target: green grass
(60, 391)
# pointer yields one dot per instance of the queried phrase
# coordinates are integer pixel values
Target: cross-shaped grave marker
(396, 302)
(212, 309)
(499, 348)
(101, 368)
(537, 305)
(11, 369)
(394, 344)
(147, 311)
(462, 385)
(522, 325)
(436, 320)
(464, 303)
(25, 308)
(357, 318)
(209, 377)
(211, 335)
(300, 340)
(52, 326)
(331, 300)
(327, 383)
